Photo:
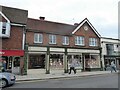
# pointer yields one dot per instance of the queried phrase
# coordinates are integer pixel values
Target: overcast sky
(103, 14)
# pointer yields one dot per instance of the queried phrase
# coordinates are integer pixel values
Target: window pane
(52, 39)
(4, 28)
(35, 37)
(93, 42)
(79, 40)
(65, 40)
(40, 38)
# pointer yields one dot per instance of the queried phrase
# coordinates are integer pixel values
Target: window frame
(65, 40)
(93, 42)
(80, 40)
(4, 27)
(39, 40)
(52, 39)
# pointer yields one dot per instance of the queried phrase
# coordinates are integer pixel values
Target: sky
(103, 14)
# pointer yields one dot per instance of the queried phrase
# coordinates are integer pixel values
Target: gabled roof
(38, 25)
(49, 27)
(81, 24)
(17, 16)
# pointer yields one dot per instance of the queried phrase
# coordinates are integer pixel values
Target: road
(98, 81)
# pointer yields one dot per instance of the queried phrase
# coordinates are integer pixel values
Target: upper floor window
(38, 38)
(110, 49)
(3, 27)
(52, 39)
(93, 42)
(65, 40)
(79, 40)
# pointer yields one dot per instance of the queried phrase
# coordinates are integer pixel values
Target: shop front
(87, 59)
(109, 58)
(52, 59)
(36, 61)
(12, 60)
(78, 58)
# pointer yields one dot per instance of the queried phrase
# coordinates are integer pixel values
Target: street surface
(98, 81)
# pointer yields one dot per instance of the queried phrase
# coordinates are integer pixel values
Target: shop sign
(11, 52)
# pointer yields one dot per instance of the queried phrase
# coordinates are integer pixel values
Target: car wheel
(3, 83)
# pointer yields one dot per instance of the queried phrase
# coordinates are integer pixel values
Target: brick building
(45, 45)
(52, 45)
(12, 37)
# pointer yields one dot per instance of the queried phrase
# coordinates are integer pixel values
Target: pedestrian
(72, 66)
(106, 66)
(113, 67)
(4, 65)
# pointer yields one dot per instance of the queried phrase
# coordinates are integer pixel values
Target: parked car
(6, 79)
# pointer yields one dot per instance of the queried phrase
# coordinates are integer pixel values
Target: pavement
(43, 76)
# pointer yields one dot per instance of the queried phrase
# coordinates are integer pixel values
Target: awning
(11, 52)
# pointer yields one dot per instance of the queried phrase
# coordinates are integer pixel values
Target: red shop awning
(12, 52)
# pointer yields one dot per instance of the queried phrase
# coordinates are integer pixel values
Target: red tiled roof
(49, 27)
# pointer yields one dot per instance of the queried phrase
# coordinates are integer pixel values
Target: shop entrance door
(16, 65)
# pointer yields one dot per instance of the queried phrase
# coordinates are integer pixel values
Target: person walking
(72, 66)
(113, 67)
(4, 65)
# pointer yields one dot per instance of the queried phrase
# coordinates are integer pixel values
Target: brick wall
(81, 32)
(15, 40)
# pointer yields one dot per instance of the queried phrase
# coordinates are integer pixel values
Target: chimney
(76, 24)
(42, 18)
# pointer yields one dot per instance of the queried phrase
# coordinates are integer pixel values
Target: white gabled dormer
(81, 24)
(4, 26)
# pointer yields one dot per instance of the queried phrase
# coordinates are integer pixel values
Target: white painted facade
(7, 25)
(116, 47)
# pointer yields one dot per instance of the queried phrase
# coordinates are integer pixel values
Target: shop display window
(56, 61)
(36, 61)
(92, 61)
(79, 64)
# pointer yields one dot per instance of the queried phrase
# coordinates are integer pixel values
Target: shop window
(17, 62)
(56, 61)
(77, 58)
(36, 61)
(92, 62)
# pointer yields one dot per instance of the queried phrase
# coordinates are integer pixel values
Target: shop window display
(36, 61)
(92, 62)
(78, 61)
(56, 61)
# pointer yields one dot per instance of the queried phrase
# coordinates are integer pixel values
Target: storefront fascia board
(37, 52)
(11, 52)
(57, 49)
(83, 51)
(56, 53)
(76, 53)
(94, 54)
(37, 48)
